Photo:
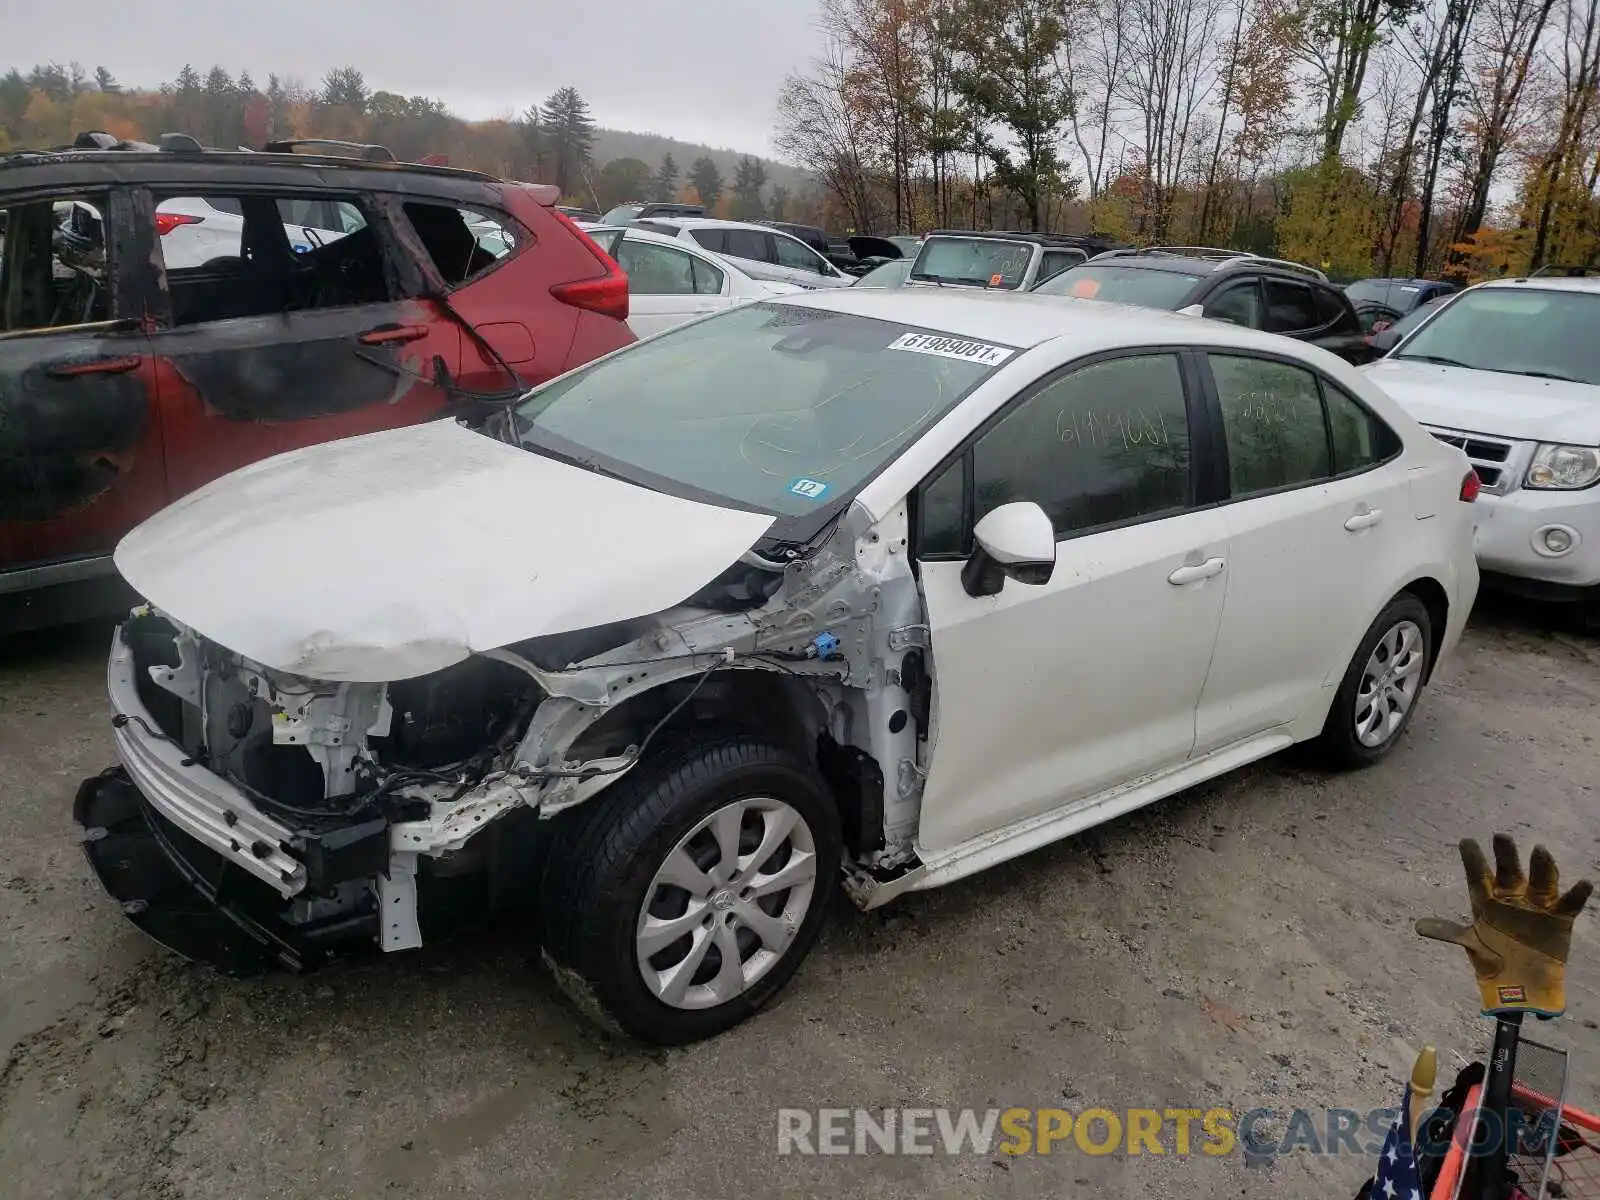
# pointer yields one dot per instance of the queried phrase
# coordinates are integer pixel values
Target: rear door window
(797, 255)
(1272, 420)
(1290, 308)
(249, 254)
(749, 243)
(715, 240)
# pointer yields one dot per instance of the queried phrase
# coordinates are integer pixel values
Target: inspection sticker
(950, 347)
(811, 489)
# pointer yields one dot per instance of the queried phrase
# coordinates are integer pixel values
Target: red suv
(169, 314)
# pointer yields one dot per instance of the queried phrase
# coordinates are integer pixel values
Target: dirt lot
(1244, 945)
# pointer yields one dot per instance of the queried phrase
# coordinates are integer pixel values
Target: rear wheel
(689, 896)
(1378, 695)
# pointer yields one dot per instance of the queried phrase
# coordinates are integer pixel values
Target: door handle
(100, 366)
(1195, 572)
(385, 334)
(1364, 520)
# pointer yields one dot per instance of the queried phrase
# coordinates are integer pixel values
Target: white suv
(887, 585)
(1510, 372)
(758, 250)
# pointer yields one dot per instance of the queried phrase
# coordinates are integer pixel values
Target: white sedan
(670, 282)
(891, 585)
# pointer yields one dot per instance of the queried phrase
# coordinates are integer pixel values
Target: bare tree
(822, 130)
(1169, 73)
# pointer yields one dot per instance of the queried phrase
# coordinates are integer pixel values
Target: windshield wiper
(1551, 375)
(1438, 358)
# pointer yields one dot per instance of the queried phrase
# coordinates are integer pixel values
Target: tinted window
(1374, 291)
(748, 243)
(1144, 286)
(1519, 330)
(711, 239)
(1105, 443)
(1272, 418)
(772, 406)
(1056, 261)
(980, 262)
(656, 270)
(1359, 438)
(1332, 310)
(1239, 304)
(793, 254)
(1289, 306)
(941, 520)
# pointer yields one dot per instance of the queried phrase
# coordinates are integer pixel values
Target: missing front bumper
(192, 900)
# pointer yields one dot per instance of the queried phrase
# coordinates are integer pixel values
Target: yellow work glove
(1521, 928)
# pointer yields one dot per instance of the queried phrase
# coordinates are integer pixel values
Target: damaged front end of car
(259, 818)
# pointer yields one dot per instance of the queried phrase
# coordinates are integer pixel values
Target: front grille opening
(286, 774)
(1477, 449)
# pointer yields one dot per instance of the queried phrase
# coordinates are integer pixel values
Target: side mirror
(1015, 541)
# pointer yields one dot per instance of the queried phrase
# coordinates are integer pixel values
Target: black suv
(1226, 285)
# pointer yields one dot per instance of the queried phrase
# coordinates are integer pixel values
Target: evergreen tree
(568, 137)
(748, 180)
(706, 181)
(666, 181)
(106, 81)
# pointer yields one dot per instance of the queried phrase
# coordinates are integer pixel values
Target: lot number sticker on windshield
(811, 489)
(949, 347)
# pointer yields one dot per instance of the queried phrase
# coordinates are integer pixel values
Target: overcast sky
(704, 71)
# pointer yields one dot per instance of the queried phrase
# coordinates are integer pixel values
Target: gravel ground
(1245, 944)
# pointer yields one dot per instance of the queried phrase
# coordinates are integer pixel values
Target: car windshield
(1147, 287)
(885, 275)
(1397, 294)
(773, 406)
(980, 262)
(1549, 334)
(621, 214)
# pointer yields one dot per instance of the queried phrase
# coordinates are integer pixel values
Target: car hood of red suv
(397, 554)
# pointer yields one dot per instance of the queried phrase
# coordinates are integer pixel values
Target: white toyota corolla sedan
(880, 586)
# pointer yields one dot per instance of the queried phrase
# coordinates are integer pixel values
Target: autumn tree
(821, 128)
(622, 180)
(1012, 81)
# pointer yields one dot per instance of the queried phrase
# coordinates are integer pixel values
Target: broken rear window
(461, 243)
(773, 407)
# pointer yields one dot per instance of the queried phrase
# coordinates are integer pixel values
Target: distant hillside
(649, 147)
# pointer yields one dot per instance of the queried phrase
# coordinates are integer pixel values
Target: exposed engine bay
(361, 791)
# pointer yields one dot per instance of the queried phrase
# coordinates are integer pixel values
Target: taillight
(1471, 485)
(167, 222)
(606, 294)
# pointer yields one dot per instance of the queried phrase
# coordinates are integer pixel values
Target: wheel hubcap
(1389, 684)
(726, 903)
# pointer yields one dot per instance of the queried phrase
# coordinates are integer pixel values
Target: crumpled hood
(395, 554)
(1511, 406)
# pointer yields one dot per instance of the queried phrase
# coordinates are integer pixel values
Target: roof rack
(1224, 258)
(363, 150)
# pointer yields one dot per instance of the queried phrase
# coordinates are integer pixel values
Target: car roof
(1547, 283)
(1030, 319)
(710, 222)
(1403, 279)
(136, 163)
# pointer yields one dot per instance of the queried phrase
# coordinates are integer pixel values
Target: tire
(602, 873)
(1404, 622)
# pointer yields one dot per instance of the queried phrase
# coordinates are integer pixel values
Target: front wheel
(1378, 695)
(691, 893)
